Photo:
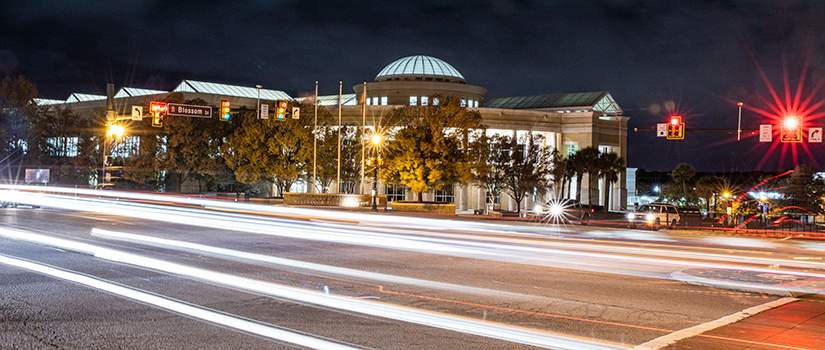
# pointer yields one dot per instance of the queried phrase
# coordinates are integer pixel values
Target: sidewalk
(797, 325)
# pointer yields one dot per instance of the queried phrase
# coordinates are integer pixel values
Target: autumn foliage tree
(429, 149)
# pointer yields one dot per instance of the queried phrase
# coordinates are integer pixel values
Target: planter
(424, 207)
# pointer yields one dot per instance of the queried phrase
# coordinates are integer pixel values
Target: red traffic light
(675, 128)
(791, 130)
(158, 107)
(675, 120)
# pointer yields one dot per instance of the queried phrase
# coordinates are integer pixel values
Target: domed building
(415, 80)
(568, 121)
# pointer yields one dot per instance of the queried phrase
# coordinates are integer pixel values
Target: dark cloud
(702, 56)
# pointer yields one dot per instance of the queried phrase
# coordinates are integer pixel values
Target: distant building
(568, 121)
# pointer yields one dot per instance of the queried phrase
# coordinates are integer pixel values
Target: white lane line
(462, 324)
(174, 306)
(669, 339)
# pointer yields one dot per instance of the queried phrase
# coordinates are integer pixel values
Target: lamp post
(259, 100)
(376, 142)
(739, 129)
(115, 131)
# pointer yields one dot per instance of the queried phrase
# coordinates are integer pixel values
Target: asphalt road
(90, 279)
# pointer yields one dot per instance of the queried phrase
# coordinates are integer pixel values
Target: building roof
(419, 66)
(230, 90)
(132, 92)
(597, 101)
(76, 97)
(47, 101)
(331, 100)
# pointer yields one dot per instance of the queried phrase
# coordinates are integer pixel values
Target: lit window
(375, 101)
(383, 100)
(424, 100)
(571, 149)
(475, 104)
(463, 103)
(369, 101)
(413, 100)
(435, 101)
(469, 103)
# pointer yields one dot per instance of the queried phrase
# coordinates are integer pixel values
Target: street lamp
(260, 115)
(739, 129)
(376, 141)
(115, 131)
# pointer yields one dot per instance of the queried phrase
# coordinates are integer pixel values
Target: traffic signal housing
(791, 130)
(225, 108)
(280, 112)
(158, 110)
(675, 128)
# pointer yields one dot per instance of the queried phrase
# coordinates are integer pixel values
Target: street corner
(781, 284)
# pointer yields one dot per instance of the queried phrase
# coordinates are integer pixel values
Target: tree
(583, 162)
(559, 172)
(708, 187)
(609, 166)
(490, 155)
(683, 175)
(528, 167)
(803, 189)
(271, 151)
(429, 150)
(19, 116)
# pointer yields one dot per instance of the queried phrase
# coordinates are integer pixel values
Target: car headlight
(556, 210)
(538, 208)
(631, 216)
(650, 217)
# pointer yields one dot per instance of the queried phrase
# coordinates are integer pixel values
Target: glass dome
(420, 67)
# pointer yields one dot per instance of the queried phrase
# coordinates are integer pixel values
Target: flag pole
(363, 133)
(338, 184)
(315, 140)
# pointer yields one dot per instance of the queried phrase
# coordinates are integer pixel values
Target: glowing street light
(115, 131)
(376, 142)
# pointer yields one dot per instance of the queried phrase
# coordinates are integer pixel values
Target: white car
(654, 215)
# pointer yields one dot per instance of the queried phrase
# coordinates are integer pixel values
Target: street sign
(190, 111)
(264, 111)
(765, 133)
(296, 112)
(137, 113)
(661, 130)
(815, 135)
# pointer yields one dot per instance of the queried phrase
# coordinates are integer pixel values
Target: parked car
(566, 210)
(654, 215)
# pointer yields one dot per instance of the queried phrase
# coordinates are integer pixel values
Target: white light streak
(368, 307)
(174, 306)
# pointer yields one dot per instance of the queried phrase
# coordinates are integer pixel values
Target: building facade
(568, 122)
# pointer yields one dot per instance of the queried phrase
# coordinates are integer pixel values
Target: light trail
(261, 258)
(428, 318)
(178, 307)
(463, 248)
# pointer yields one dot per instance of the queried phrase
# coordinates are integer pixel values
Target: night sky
(695, 58)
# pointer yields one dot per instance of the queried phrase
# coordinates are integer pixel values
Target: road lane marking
(174, 306)
(669, 339)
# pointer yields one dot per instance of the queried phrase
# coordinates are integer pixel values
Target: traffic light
(791, 130)
(281, 112)
(675, 128)
(224, 115)
(158, 110)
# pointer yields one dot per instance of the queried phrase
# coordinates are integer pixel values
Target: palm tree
(610, 165)
(584, 162)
